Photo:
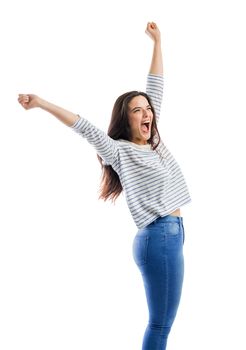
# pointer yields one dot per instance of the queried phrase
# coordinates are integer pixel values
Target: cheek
(134, 122)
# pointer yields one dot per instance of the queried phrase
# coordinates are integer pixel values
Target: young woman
(135, 160)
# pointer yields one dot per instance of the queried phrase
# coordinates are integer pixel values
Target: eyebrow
(139, 107)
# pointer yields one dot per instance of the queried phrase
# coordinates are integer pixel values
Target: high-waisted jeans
(158, 253)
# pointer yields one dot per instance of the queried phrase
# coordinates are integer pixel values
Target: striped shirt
(152, 180)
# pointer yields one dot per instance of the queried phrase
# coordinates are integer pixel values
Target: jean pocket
(140, 249)
(171, 228)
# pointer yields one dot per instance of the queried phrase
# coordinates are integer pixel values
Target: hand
(29, 101)
(153, 31)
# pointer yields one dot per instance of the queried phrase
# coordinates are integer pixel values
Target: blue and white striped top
(151, 179)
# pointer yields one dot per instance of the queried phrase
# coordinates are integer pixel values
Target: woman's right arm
(105, 146)
(32, 101)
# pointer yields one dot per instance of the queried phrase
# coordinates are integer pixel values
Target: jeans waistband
(167, 218)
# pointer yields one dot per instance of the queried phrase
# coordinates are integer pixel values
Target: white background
(68, 279)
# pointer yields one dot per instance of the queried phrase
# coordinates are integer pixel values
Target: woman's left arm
(155, 79)
(156, 66)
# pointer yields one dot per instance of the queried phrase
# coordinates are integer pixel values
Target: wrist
(157, 42)
(41, 103)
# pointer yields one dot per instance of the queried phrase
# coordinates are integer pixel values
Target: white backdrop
(68, 279)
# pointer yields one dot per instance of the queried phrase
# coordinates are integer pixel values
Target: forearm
(156, 66)
(62, 114)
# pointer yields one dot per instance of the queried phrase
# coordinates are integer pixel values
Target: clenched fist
(153, 31)
(29, 101)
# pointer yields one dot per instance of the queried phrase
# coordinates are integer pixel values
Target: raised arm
(156, 66)
(106, 147)
(32, 101)
(155, 77)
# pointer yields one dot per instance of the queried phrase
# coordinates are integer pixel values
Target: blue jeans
(158, 253)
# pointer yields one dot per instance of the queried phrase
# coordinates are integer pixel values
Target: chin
(146, 137)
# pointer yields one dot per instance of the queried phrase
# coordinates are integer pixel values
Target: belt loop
(180, 220)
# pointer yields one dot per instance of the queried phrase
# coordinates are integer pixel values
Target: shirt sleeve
(105, 146)
(154, 89)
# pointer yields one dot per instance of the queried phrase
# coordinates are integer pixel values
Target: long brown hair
(119, 128)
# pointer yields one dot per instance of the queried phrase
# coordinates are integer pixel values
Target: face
(140, 119)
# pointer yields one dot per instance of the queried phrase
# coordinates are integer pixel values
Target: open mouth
(145, 127)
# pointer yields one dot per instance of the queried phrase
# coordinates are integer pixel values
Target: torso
(175, 213)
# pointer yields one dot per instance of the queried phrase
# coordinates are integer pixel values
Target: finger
(25, 105)
(20, 99)
(24, 101)
(23, 95)
(24, 98)
(148, 33)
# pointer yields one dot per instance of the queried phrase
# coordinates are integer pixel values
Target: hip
(160, 241)
(163, 226)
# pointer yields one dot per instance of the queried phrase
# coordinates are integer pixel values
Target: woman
(135, 160)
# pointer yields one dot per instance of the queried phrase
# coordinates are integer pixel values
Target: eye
(136, 110)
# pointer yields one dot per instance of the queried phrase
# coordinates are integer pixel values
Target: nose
(146, 113)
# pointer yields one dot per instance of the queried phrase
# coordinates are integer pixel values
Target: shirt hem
(162, 215)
